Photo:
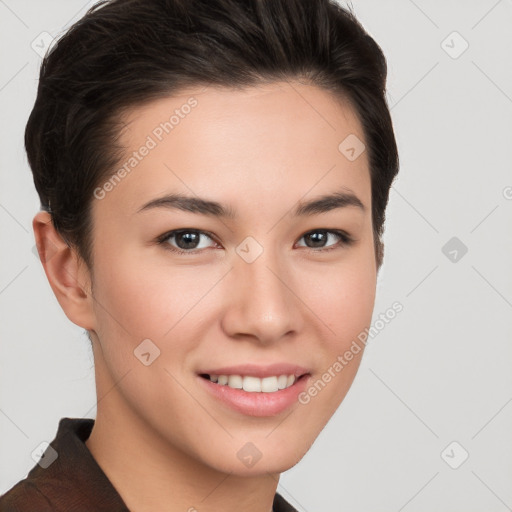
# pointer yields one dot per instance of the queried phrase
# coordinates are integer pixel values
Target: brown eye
(319, 239)
(185, 240)
(316, 239)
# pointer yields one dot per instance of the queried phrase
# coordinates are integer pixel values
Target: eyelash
(345, 240)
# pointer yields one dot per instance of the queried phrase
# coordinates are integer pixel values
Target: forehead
(279, 138)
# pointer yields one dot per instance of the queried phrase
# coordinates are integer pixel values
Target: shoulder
(48, 483)
(66, 477)
(24, 497)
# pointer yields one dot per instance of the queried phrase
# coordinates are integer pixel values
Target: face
(259, 287)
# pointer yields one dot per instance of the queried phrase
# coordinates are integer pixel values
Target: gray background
(439, 372)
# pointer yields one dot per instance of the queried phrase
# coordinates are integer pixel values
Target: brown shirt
(73, 481)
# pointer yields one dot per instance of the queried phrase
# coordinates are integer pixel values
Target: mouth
(255, 390)
(254, 384)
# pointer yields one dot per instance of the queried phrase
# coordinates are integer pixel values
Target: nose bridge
(262, 303)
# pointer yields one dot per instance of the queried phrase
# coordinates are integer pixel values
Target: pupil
(189, 237)
(318, 238)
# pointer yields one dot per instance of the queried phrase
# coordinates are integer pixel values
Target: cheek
(344, 304)
(350, 304)
(138, 301)
(345, 299)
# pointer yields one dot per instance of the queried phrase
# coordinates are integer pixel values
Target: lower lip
(258, 403)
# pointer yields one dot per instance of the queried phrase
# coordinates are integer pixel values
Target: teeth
(254, 384)
(282, 381)
(235, 381)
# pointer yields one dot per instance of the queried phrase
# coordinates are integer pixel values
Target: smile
(254, 390)
(253, 384)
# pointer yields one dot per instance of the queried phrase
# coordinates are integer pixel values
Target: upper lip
(260, 371)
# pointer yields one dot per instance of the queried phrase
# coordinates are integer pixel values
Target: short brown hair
(123, 53)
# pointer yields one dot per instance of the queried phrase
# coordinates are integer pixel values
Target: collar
(74, 480)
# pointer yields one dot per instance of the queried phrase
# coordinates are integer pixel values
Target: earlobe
(67, 274)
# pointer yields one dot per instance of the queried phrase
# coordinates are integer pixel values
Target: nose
(262, 305)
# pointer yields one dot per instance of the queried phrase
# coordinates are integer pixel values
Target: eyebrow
(322, 204)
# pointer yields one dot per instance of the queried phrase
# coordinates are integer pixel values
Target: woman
(213, 178)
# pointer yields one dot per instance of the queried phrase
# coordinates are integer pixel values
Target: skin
(163, 442)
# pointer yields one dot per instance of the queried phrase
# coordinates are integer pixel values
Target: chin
(260, 456)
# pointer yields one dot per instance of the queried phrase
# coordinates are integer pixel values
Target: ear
(67, 273)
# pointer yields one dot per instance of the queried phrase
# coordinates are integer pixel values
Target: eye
(319, 237)
(187, 240)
